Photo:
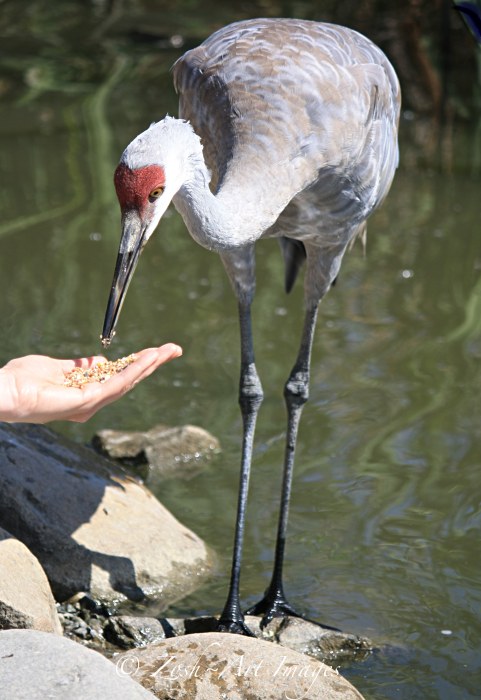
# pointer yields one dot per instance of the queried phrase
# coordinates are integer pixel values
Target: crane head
(151, 170)
(142, 202)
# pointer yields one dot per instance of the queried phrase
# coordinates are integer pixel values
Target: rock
(178, 451)
(216, 666)
(37, 665)
(83, 623)
(126, 631)
(328, 645)
(93, 528)
(25, 597)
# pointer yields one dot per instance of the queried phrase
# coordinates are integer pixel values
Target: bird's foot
(234, 626)
(272, 606)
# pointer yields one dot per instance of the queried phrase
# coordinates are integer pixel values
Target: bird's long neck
(220, 221)
(235, 215)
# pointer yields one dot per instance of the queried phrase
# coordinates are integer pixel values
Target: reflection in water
(385, 519)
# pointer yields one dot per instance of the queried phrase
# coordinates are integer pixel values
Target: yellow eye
(155, 194)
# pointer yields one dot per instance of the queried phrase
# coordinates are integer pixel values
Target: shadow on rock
(93, 527)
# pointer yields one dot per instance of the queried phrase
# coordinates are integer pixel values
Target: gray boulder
(215, 666)
(168, 451)
(37, 665)
(26, 600)
(93, 527)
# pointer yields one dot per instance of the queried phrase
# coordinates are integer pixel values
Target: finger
(156, 356)
(147, 361)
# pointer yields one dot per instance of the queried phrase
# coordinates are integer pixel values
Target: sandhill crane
(287, 129)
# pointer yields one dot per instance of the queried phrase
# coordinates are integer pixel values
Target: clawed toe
(234, 627)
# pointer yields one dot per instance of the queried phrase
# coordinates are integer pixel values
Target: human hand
(32, 388)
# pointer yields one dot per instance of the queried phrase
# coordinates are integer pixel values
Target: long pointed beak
(131, 244)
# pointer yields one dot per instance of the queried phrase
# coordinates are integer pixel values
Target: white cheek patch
(154, 222)
(161, 207)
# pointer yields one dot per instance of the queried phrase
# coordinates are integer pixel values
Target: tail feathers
(294, 255)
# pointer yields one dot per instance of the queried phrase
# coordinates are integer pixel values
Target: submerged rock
(37, 665)
(26, 600)
(216, 666)
(128, 632)
(178, 451)
(328, 645)
(93, 527)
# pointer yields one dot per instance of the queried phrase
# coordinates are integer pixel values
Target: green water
(385, 517)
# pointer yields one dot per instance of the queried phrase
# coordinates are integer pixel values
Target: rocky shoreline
(80, 537)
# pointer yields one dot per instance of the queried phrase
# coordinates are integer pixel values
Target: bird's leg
(250, 399)
(296, 393)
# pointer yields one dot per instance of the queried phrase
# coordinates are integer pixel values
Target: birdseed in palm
(101, 372)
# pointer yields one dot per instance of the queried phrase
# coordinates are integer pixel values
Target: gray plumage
(298, 122)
